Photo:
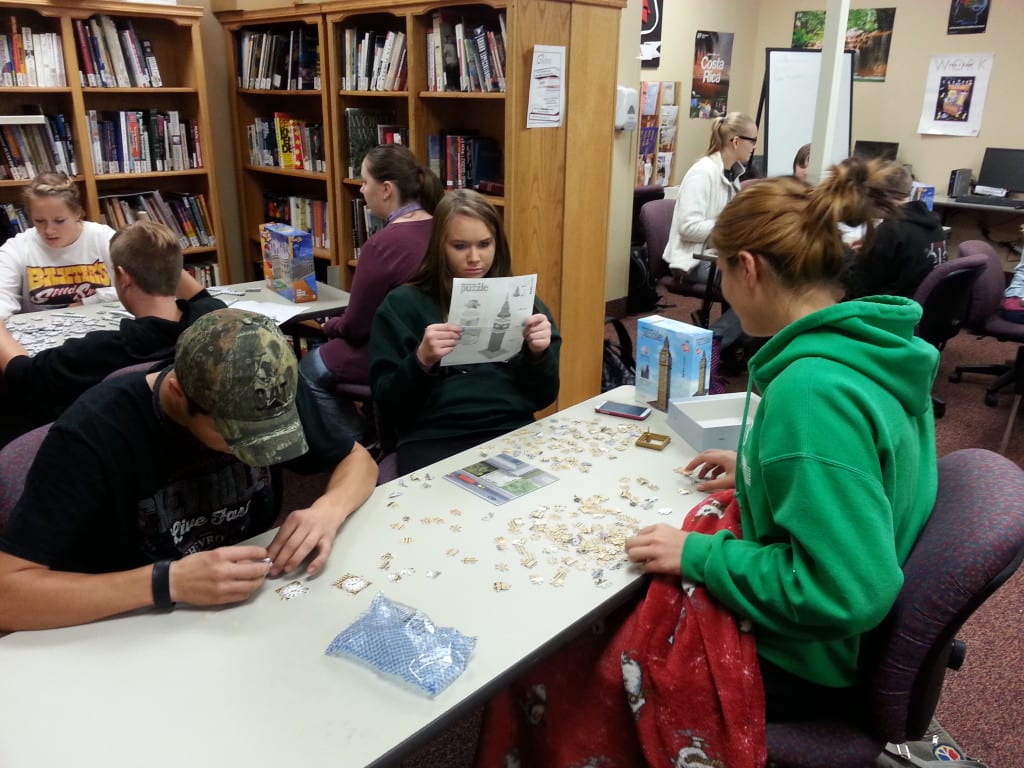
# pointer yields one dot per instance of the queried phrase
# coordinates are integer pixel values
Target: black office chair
(641, 196)
(985, 319)
(945, 298)
(971, 544)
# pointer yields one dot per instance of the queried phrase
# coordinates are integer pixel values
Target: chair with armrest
(945, 298)
(973, 542)
(641, 196)
(15, 460)
(986, 320)
(656, 219)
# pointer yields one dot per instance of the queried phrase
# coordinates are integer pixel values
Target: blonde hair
(150, 252)
(794, 228)
(53, 184)
(724, 128)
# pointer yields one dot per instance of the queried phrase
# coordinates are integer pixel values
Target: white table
(41, 330)
(329, 300)
(250, 685)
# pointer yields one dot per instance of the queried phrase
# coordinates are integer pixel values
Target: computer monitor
(884, 150)
(1003, 168)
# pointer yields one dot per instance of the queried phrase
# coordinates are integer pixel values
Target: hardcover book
(361, 131)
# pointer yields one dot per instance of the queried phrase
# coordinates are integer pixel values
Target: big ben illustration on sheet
(492, 313)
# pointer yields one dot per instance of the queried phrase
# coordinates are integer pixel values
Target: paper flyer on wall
(954, 94)
(547, 87)
(492, 312)
(500, 478)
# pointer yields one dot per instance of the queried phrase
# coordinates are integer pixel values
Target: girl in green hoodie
(836, 474)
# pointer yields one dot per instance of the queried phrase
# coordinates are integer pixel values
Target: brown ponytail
(794, 228)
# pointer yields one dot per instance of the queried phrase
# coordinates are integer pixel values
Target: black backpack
(618, 366)
(643, 291)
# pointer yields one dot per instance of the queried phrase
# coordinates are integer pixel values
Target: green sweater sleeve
(818, 559)
(400, 386)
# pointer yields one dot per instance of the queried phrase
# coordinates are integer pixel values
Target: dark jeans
(422, 453)
(788, 697)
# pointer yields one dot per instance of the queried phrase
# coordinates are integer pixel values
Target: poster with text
(954, 94)
(868, 35)
(650, 34)
(967, 17)
(712, 60)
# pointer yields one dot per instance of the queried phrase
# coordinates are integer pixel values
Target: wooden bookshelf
(174, 33)
(252, 102)
(557, 180)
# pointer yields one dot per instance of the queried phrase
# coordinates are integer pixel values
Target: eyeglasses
(751, 139)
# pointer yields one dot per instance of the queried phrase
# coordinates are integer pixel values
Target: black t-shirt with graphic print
(116, 485)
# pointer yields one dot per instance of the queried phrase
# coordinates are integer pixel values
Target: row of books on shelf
(112, 55)
(31, 59)
(279, 59)
(305, 213)
(364, 224)
(286, 142)
(13, 219)
(464, 160)
(143, 141)
(185, 213)
(365, 128)
(374, 61)
(465, 57)
(206, 273)
(31, 144)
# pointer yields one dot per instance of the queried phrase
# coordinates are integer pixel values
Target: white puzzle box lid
(711, 421)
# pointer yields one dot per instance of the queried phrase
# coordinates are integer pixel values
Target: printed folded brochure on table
(500, 478)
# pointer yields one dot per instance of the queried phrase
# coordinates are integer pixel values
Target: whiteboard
(789, 97)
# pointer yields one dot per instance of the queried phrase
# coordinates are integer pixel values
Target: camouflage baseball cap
(239, 368)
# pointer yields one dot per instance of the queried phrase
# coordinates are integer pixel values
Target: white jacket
(34, 276)
(702, 196)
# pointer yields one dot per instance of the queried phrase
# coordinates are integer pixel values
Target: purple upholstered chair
(656, 219)
(973, 543)
(15, 459)
(985, 319)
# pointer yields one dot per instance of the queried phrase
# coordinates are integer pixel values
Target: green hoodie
(836, 477)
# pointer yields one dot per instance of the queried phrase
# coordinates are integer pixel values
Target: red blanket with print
(671, 681)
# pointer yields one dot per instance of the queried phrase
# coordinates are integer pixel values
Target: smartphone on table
(625, 410)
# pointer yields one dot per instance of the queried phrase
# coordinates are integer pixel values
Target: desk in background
(951, 204)
(250, 684)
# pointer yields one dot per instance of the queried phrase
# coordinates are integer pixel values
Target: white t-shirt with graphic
(34, 276)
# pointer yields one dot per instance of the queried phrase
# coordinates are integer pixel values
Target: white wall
(887, 111)
(679, 27)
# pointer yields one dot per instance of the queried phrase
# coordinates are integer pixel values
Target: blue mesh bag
(403, 642)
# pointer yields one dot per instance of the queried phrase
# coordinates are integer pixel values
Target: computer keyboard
(999, 202)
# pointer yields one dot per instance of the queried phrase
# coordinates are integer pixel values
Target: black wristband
(162, 585)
